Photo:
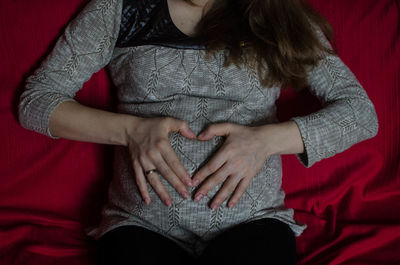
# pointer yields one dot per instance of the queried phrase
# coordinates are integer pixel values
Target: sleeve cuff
(309, 156)
(34, 114)
(47, 114)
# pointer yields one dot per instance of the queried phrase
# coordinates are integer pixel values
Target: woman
(197, 142)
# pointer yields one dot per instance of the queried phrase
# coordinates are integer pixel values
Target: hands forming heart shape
(235, 164)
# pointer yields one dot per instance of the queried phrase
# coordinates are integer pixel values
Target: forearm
(282, 138)
(74, 121)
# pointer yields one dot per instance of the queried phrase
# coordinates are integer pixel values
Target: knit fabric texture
(154, 80)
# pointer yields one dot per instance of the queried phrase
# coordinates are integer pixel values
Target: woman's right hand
(149, 148)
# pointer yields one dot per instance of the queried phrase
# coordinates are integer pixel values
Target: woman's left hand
(239, 159)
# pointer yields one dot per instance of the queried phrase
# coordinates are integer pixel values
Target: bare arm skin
(146, 139)
(74, 121)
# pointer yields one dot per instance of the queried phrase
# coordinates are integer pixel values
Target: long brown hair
(278, 37)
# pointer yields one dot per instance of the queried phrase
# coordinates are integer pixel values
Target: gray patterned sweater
(154, 80)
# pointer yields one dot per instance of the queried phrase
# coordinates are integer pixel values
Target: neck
(199, 2)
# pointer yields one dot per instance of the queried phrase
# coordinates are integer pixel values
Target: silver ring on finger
(151, 171)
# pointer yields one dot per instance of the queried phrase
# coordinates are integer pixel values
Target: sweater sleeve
(347, 117)
(85, 47)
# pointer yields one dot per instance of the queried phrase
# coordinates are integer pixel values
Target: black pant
(266, 241)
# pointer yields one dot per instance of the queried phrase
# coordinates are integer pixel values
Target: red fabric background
(51, 189)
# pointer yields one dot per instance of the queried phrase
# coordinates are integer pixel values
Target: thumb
(220, 129)
(183, 128)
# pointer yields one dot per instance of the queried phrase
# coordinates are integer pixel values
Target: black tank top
(148, 22)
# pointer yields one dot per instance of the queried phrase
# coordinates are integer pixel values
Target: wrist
(128, 125)
(282, 138)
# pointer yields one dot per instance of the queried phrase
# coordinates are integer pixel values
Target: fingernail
(196, 182)
(185, 194)
(231, 205)
(189, 183)
(198, 197)
(214, 206)
(192, 134)
(168, 202)
(147, 200)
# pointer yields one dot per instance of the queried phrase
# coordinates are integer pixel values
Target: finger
(173, 162)
(159, 188)
(180, 126)
(240, 190)
(229, 186)
(155, 181)
(214, 180)
(212, 166)
(219, 129)
(141, 182)
(168, 174)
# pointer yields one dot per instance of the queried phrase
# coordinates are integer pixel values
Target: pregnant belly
(198, 218)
